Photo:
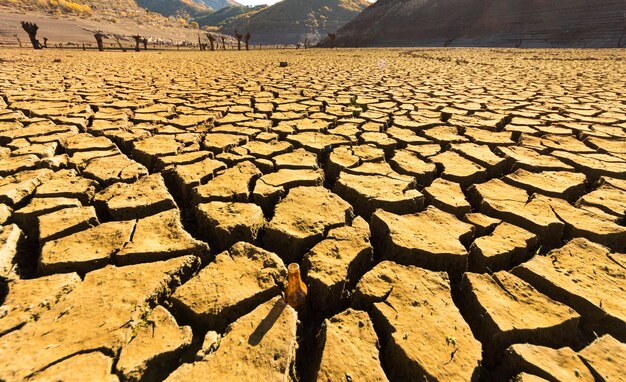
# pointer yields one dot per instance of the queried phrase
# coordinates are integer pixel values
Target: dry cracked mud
(458, 215)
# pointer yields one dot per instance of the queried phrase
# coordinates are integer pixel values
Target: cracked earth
(458, 215)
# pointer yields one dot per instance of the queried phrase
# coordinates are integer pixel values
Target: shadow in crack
(264, 326)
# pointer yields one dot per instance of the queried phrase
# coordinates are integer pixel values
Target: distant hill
(226, 15)
(219, 4)
(525, 23)
(112, 11)
(291, 21)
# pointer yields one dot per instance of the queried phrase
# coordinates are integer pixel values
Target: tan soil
(458, 215)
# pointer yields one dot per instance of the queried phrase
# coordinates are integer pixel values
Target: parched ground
(458, 215)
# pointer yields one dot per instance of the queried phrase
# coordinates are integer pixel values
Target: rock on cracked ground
(458, 215)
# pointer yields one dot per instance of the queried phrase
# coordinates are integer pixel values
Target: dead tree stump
(137, 42)
(332, 37)
(211, 41)
(248, 41)
(31, 30)
(238, 36)
(98, 36)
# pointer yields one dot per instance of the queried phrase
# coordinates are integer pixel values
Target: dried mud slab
(258, 346)
(16, 188)
(558, 184)
(27, 216)
(587, 277)
(302, 219)
(531, 160)
(606, 198)
(145, 197)
(117, 168)
(225, 224)
(334, 265)
(155, 345)
(397, 297)
(105, 306)
(448, 197)
(603, 357)
(594, 165)
(11, 237)
(455, 168)
(349, 349)
(431, 246)
(65, 222)
(369, 192)
(159, 237)
(67, 184)
(579, 223)
(26, 300)
(513, 205)
(210, 300)
(506, 247)
(188, 176)
(12, 165)
(86, 250)
(80, 367)
(231, 185)
(504, 310)
(557, 365)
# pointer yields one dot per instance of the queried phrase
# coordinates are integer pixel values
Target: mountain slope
(219, 4)
(226, 15)
(112, 11)
(291, 21)
(527, 23)
(173, 7)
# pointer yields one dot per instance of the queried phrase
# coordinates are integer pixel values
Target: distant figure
(248, 41)
(332, 37)
(31, 29)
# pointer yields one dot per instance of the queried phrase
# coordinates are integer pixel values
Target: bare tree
(45, 42)
(144, 41)
(137, 42)
(248, 41)
(200, 44)
(98, 35)
(223, 43)
(18, 40)
(238, 36)
(332, 37)
(448, 41)
(211, 41)
(117, 39)
(306, 43)
(31, 29)
(518, 42)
